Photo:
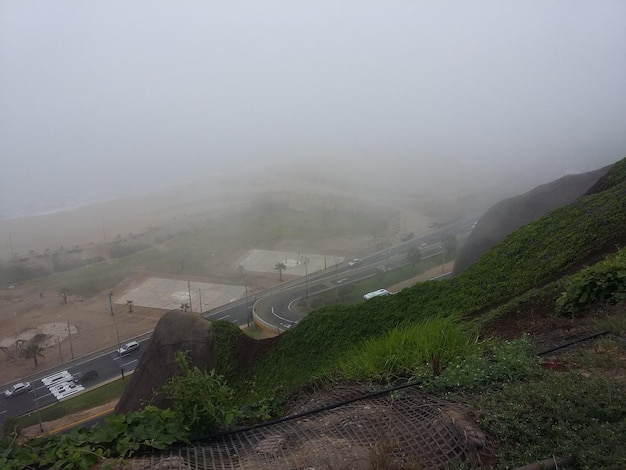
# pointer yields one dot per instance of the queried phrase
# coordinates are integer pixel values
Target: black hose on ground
(579, 340)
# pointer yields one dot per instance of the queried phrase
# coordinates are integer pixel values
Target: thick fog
(103, 98)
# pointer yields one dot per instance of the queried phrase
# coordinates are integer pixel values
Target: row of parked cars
(78, 377)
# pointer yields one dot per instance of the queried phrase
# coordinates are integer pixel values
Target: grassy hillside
(528, 258)
(435, 325)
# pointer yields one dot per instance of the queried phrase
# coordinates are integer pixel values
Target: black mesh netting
(405, 428)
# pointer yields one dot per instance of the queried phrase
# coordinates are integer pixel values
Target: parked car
(81, 377)
(17, 389)
(128, 348)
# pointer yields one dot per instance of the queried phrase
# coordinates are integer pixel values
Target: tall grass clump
(410, 350)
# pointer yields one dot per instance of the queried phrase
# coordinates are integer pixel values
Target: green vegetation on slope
(412, 350)
(527, 258)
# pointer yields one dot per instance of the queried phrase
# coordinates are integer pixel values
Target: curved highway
(275, 311)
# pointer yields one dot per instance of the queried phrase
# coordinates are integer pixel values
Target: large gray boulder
(180, 331)
(508, 215)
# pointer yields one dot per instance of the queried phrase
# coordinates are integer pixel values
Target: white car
(17, 389)
(128, 348)
(354, 262)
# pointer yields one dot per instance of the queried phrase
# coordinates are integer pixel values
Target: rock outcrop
(508, 215)
(180, 331)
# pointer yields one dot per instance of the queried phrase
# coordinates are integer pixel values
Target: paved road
(58, 384)
(276, 310)
(274, 307)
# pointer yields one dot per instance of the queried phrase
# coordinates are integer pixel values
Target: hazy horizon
(102, 100)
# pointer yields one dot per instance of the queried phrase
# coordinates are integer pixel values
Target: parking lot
(170, 294)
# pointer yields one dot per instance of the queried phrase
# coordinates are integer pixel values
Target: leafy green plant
(203, 399)
(602, 282)
(121, 436)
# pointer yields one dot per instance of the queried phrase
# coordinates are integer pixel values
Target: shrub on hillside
(602, 282)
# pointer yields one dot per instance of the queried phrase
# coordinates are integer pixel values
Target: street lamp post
(111, 301)
(17, 325)
(60, 351)
(336, 281)
(37, 408)
(69, 334)
(189, 290)
(119, 346)
(443, 251)
(306, 278)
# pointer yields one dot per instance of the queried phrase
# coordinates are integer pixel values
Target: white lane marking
(63, 376)
(224, 317)
(65, 389)
(278, 316)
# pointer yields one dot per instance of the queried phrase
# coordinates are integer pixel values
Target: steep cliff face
(508, 215)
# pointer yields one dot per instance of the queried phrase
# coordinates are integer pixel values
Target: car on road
(354, 262)
(17, 389)
(376, 293)
(81, 377)
(128, 348)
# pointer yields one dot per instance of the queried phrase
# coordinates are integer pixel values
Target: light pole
(17, 326)
(306, 278)
(119, 346)
(189, 290)
(37, 407)
(443, 251)
(336, 281)
(69, 334)
(60, 351)
(111, 301)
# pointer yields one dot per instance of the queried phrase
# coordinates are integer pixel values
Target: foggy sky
(102, 96)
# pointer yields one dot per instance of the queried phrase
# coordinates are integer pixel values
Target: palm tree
(280, 267)
(184, 307)
(33, 350)
(130, 306)
(64, 292)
